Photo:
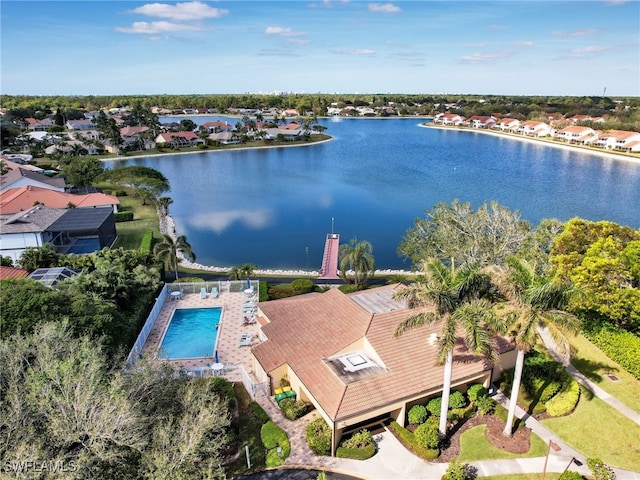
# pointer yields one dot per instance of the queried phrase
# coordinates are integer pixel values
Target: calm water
(191, 333)
(273, 207)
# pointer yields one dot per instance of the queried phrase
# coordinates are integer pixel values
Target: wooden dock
(329, 270)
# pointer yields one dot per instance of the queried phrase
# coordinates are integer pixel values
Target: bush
(123, 216)
(600, 470)
(223, 388)
(459, 471)
(356, 453)
(259, 411)
(427, 436)
(565, 401)
(359, 440)
(418, 414)
(457, 400)
(408, 440)
(543, 388)
(619, 345)
(293, 409)
(569, 475)
(434, 406)
(303, 285)
(319, 436)
(146, 243)
(272, 437)
(485, 405)
(476, 391)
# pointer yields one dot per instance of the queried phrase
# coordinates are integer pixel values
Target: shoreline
(542, 141)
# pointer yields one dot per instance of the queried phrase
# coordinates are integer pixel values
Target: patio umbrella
(217, 359)
(248, 284)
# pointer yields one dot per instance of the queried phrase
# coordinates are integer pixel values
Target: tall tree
(456, 295)
(534, 303)
(358, 257)
(168, 250)
(145, 182)
(39, 257)
(81, 172)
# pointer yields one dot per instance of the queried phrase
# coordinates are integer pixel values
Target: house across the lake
(340, 352)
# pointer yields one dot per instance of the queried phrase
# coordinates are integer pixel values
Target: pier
(329, 268)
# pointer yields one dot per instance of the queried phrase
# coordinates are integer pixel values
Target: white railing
(252, 387)
(136, 351)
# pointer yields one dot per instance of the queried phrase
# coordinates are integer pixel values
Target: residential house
(68, 147)
(76, 230)
(290, 112)
(15, 200)
(80, 124)
(619, 140)
(576, 134)
(508, 124)
(480, 121)
(535, 129)
(178, 139)
(217, 126)
(20, 177)
(289, 132)
(340, 352)
(225, 138)
(40, 125)
(12, 272)
(448, 119)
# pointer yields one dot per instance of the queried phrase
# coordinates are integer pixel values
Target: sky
(523, 47)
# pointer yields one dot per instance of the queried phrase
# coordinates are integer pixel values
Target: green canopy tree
(456, 298)
(81, 172)
(357, 257)
(534, 303)
(39, 257)
(167, 251)
(144, 182)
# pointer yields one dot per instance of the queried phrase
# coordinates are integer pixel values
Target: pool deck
(231, 326)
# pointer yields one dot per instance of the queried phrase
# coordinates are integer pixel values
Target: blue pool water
(192, 333)
(85, 245)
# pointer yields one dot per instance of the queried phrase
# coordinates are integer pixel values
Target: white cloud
(524, 44)
(384, 8)
(475, 45)
(588, 51)
(221, 221)
(486, 57)
(586, 32)
(497, 27)
(180, 11)
(355, 51)
(282, 31)
(149, 28)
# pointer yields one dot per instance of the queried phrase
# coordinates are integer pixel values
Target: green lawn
(475, 446)
(595, 365)
(145, 216)
(597, 430)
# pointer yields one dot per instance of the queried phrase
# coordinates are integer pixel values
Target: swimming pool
(85, 245)
(192, 333)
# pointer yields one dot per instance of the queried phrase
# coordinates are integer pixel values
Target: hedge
(427, 436)
(294, 409)
(418, 414)
(408, 440)
(303, 285)
(357, 453)
(272, 437)
(476, 391)
(123, 216)
(146, 243)
(619, 345)
(319, 436)
(259, 411)
(565, 401)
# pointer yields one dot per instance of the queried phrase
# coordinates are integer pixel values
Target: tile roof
(38, 219)
(18, 199)
(304, 331)
(11, 272)
(18, 173)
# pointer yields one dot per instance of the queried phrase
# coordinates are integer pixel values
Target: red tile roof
(11, 272)
(15, 200)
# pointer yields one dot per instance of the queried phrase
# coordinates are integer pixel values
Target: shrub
(224, 390)
(427, 436)
(569, 475)
(294, 409)
(600, 470)
(408, 440)
(319, 436)
(619, 345)
(123, 216)
(418, 414)
(303, 285)
(259, 411)
(146, 243)
(459, 471)
(434, 406)
(543, 388)
(566, 401)
(357, 453)
(457, 400)
(189, 280)
(485, 405)
(359, 440)
(272, 437)
(476, 391)
(281, 291)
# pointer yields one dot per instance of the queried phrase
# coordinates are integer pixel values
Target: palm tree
(455, 295)
(247, 269)
(357, 256)
(533, 303)
(234, 273)
(168, 250)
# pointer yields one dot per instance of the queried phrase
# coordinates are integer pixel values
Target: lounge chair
(203, 292)
(245, 343)
(214, 292)
(245, 336)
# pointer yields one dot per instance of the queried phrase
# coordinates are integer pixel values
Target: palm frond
(415, 322)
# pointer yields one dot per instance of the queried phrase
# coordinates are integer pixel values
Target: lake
(273, 207)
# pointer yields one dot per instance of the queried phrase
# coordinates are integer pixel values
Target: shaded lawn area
(144, 217)
(597, 430)
(475, 446)
(594, 364)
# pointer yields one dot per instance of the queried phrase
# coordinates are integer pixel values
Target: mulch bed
(519, 442)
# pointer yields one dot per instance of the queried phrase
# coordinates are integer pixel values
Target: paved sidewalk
(597, 391)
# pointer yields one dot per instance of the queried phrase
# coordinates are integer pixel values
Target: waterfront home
(577, 134)
(217, 126)
(178, 139)
(225, 138)
(480, 121)
(339, 352)
(508, 124)
(448, 119)
(619, 140)
(80, 124)
(14, 200)
(20, 177)
(535, 129)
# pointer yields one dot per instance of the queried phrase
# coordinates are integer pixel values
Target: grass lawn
(475, 446)
(597, 430)
(145, 216)
(594, 364)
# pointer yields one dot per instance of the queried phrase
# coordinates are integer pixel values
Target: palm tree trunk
(517, 376)
(446, 390)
